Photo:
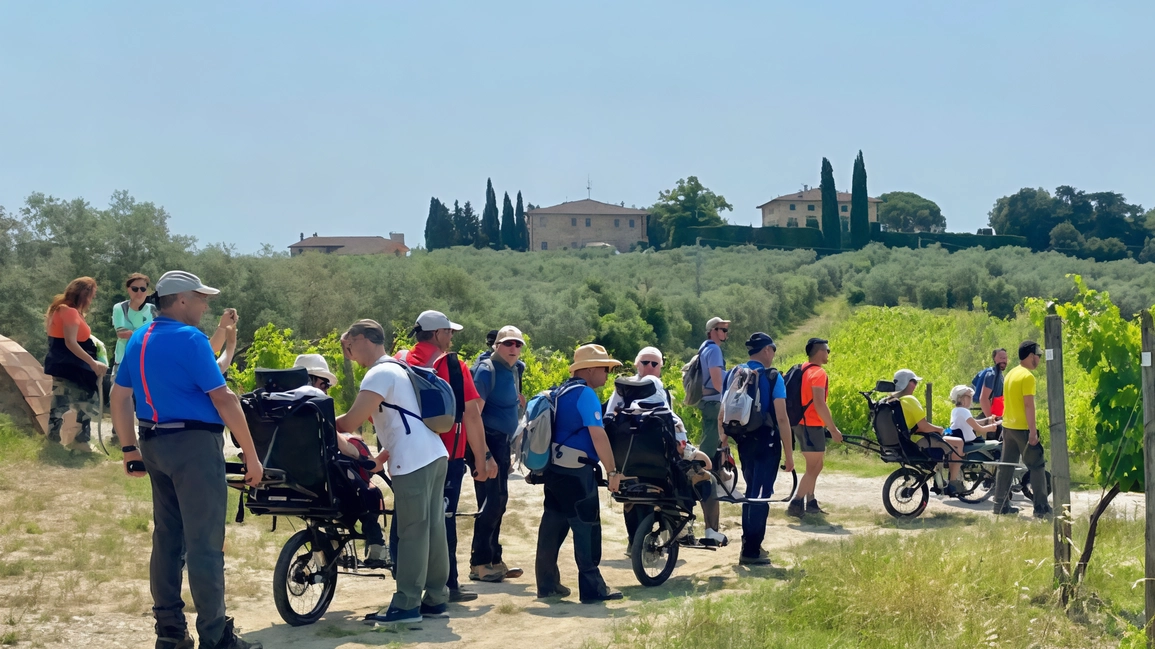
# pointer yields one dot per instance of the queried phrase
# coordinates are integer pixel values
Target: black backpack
(795, 411)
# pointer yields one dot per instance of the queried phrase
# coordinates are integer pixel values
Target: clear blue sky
(253, 121)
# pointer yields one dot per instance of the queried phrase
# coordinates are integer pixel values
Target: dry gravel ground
(84, 603)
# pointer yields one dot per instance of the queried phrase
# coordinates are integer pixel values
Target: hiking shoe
(608, 596)
(376, 557)
(558, 591)
(813, 508)
(394, 616)
(953, 488)
(173, 638)
(230, 639)
(507, 572)
(458, 595)
(1005, 509)
(795, 509)
(761, 559)
(714, 538)
(487, 573)
(1045, 512)
(434, 610)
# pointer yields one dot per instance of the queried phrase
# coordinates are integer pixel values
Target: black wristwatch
(127, 449)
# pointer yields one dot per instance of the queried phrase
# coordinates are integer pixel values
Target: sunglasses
(138, 289)
(512, 343)
(649, 363)
(324, 383)
(722, 329)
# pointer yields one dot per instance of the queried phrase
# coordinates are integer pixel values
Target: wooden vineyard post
(1148, 373)
(929, 399)
(1060, 463)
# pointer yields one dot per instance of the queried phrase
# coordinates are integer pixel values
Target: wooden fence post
(1060, 463)
(929, 399)
(1148, 373)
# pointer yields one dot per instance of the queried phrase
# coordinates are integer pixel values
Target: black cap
(814, 342)
(491, 337)
(759, 341)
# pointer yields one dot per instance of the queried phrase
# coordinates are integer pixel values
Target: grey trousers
(1014, 446)
(422, 551)
(189, 498)
(710, 427)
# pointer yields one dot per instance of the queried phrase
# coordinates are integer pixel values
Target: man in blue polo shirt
(761, 451)
(182, 407)
(571, 490)
(498, 382)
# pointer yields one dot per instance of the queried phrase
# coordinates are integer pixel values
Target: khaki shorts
(809, 439)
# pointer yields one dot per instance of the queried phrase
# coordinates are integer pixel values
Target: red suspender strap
(143, 381)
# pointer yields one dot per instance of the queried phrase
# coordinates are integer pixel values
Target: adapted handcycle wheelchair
(906, 492)
(306, 476)
(657, 478)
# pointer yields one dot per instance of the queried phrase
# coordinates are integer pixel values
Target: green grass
(986, 584)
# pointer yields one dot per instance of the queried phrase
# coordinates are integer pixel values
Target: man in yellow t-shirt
(1020, 435)
(905, 381)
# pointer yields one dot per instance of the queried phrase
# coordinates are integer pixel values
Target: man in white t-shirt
(417, 462)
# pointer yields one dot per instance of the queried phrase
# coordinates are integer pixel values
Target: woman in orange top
(71, 361)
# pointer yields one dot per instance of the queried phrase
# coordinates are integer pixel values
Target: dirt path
(506, 612)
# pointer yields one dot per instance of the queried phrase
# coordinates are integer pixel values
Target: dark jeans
(492, 498)
(452, 495)
(187, 471)
(760, 455)
(571, 503)
(371, 525)
(1014, 446)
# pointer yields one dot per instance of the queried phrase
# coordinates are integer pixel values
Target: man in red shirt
(434, 335)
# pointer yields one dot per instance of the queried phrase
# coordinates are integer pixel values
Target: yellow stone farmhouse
(792, 210)
(585, 223)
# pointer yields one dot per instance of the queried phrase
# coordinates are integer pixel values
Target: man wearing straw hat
(571, 493)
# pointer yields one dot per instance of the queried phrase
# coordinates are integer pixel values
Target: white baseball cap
(902, 378)
(179, 281)
(434, 320)
(316, 366)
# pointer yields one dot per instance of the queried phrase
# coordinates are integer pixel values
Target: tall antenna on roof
(589, 187)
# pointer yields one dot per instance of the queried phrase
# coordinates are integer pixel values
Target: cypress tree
(522, 225)
(509, 237)
(859, 206)
(462, 235)
(438, 226)
(490, 227)
(831, 224)
(472, 226)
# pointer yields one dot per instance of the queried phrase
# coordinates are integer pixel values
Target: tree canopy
(1105, 222)
(509, 235)
(687, 205)
(490, 226)
(909, 212)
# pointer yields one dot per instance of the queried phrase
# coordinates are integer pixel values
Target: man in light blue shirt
(713, 367)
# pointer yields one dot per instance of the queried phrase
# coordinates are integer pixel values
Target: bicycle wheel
(905, 493)
(978, 483)
(302, 588)
(654, 555)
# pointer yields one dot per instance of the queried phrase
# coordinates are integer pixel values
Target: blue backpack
(537, 440)
(979, 380)
(435, 400)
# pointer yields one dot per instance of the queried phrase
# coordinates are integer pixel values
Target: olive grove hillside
(559, 298)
